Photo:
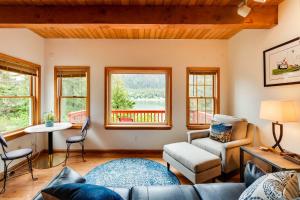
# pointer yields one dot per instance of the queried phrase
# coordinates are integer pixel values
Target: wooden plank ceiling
(135, 19)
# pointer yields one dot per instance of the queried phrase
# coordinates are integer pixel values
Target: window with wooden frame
(72, 94)
(20, 82)
(138, 97)
(202, 96)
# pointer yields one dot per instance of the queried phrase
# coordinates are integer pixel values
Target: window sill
(76, 126)
(139, 127)
(197, 127)
(14, 135)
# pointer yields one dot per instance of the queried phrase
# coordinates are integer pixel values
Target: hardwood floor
(23, 188)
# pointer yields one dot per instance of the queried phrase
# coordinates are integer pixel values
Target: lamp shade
(278, 111)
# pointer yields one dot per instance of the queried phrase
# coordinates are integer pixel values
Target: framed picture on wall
(282, 64)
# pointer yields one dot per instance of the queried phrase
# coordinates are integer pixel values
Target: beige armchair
(229, 153)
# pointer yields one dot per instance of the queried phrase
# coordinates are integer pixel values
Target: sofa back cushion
(239, 125)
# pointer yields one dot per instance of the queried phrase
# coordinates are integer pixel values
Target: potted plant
(49, 119)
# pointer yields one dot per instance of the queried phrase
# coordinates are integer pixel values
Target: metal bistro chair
(9, 156)
(78, 139)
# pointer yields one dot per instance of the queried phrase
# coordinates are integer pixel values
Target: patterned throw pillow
(220, 132)
(273, 186)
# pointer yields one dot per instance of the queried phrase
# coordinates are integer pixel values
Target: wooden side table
(277, 162)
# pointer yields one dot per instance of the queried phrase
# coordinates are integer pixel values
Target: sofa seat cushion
(209, 145)
(220, 191)
(239, 125)
(171, 192)
(192, 157)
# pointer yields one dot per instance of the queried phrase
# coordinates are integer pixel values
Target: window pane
(209, 79)
(138, 98)
(200, 79)
(14, 84)
(15, 113)
(193, 111)
(209, 110)
(191, 81)
(73, 110)
(74, 86)
(200, 91)
(192, 92)
(201, 111)
(208, 91)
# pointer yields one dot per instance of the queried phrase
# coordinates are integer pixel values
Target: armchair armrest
(237, 143)
(197, 134)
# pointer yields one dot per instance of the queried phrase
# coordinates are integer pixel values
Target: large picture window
(72, 94)
(19, 94)
(202, 96)
(138, 97)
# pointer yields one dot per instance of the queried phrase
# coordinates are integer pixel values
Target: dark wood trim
(216, 71)
(260, 16)
(264, 62)
(167, 126)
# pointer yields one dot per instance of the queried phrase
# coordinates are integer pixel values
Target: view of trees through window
(138, 98)
(15, 101)
(73, 99)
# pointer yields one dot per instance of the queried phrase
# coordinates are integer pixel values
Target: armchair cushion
(209, 145)
(239, 125)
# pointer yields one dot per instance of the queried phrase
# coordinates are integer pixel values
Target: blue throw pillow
(220, 132)
(79, 191)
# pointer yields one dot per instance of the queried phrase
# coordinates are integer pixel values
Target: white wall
(24, 44)
(246, 74)
(100, 53)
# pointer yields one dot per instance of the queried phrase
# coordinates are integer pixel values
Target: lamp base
(277, 140)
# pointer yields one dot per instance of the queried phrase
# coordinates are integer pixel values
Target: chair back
(85, 127)
(3, 144)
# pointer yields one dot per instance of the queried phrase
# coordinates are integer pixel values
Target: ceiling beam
(260, 17)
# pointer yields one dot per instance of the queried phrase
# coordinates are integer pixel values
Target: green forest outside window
(72, 94)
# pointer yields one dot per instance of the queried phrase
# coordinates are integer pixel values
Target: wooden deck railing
(76, 116)
(154, 116)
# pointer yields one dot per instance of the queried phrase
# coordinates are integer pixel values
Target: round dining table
(50, 160)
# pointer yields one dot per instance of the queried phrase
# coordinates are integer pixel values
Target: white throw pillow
(273, 186)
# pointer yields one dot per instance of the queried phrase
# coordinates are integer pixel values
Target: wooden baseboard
(113, 151)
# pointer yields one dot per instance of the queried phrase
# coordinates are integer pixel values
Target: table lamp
(278, 112)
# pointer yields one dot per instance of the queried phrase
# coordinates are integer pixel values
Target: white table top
(41, 128)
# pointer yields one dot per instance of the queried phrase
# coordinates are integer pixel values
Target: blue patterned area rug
(130, 172)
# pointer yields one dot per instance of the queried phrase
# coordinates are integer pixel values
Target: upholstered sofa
(210, 191)
(229, 153)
